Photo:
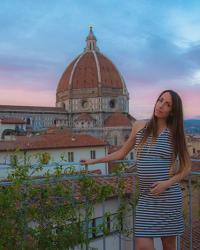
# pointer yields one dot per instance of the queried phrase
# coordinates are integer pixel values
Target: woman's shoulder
(139, 125)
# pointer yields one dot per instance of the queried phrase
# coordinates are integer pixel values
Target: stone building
(91, 98)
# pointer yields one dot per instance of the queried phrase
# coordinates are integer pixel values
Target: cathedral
(91, 98)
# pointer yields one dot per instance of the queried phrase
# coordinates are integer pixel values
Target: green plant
(54, 212)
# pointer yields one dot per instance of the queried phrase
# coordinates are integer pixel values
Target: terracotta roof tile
(51, 141)
(11, 120)
(196, 166)
(85, 73)
(64, 80)
(113, 181)
(118, 120)
(110, 76)
(85, 117)
(31, 108)
(57, 130)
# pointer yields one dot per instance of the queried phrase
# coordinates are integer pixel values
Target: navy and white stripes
(160, 215)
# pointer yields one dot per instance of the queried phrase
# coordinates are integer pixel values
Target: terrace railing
(72, 210)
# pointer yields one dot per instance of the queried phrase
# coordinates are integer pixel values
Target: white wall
(79, 153)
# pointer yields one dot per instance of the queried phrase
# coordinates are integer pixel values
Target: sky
(154, 44)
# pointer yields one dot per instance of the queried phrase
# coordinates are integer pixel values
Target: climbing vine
(55, 211)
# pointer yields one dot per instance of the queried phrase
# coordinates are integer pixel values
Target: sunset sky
(154, 44)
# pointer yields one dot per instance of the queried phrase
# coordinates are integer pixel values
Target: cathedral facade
(91, 98)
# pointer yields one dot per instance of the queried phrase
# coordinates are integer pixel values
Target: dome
(90, 70)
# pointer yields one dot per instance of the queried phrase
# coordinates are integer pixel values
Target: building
(193, 143)
(10, 127)
(52, 148)
(91, 98)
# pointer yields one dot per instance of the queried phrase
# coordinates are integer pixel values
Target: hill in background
(192, 126)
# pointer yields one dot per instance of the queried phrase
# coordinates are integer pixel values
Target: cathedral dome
(90, 70)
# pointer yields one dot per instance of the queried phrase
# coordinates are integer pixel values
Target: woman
(158, 144)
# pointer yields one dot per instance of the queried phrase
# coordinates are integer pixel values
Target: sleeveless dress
(159, 215)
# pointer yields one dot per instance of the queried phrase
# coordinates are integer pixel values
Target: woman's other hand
(159, 187)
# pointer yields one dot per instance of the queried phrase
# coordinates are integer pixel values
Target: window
(131, 156)
(45, 157)
(96, 227)
(93, 154)
(63, 105)
(28, 121)
(98, 222)
(115, 140)
(112, 103)
(70, 156)
(194, 151)
(84, 103)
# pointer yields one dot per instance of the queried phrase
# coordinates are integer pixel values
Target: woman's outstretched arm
(184, 173)
(122, 152)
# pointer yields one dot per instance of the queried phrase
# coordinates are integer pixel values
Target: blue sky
(155, 45)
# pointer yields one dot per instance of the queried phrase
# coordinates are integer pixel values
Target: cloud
(155, 45)
(193, 54)
(160, 61)
(28, 73)
(183, 21)
(30, 98)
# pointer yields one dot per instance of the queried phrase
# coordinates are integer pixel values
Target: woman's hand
(159, 187)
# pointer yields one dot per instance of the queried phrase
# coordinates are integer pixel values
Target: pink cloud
(27, 97)
(142, 100)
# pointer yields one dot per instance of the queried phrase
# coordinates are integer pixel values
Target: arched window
(28, 121)
(8, 132)
(63, 105)
(112, 103)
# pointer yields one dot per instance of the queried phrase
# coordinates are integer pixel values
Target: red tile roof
(85, 117)
(11, 120)
(110, 76)
(118, 120)
(31, 108)
(195, 166)
(85, 74)
(113, 181)
(51, 141)
(57, 130)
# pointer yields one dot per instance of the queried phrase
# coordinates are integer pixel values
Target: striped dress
(160, 215)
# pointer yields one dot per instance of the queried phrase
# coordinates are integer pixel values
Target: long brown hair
(175, 124)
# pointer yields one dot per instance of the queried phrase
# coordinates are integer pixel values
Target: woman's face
(163, 106)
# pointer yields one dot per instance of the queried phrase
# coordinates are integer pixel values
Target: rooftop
(118, 119)
(51, 141)
(11, 120)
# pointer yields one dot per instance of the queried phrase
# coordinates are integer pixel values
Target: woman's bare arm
(122, 152)
(182, 175)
